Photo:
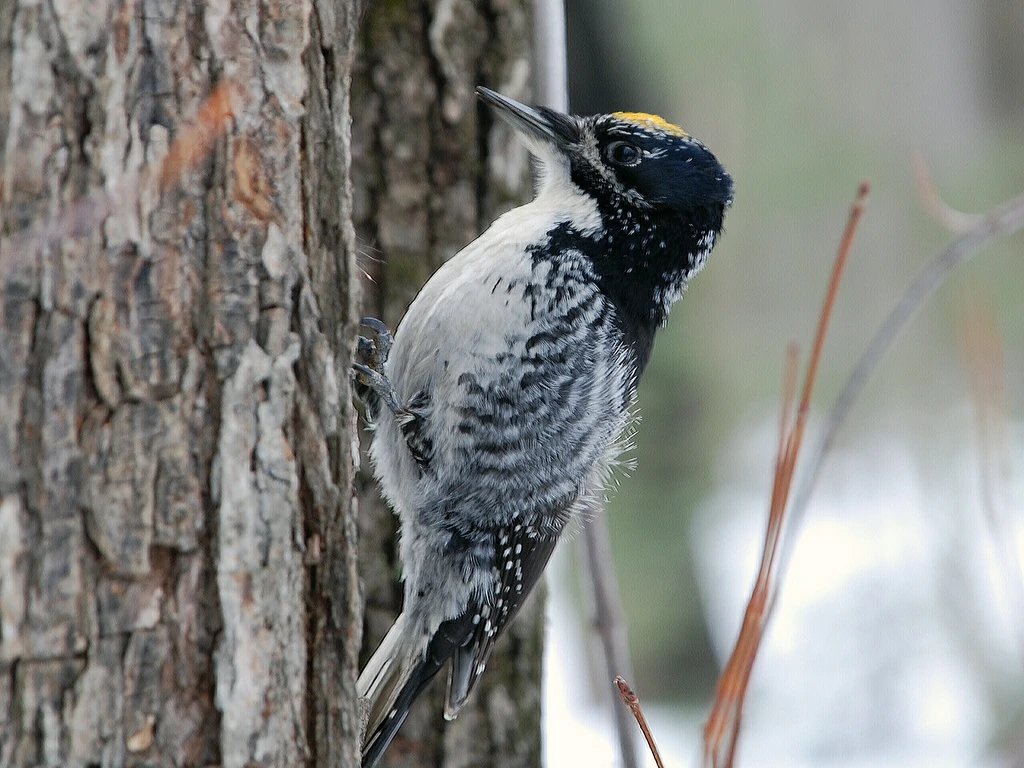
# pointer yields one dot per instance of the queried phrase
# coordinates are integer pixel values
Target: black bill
(534, 122)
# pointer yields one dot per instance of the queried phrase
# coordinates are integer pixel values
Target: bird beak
(549, 126)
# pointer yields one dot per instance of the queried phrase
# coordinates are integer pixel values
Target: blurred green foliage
(800, 100)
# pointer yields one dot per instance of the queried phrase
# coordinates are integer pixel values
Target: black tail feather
(450, 636)
(375, 743)
(467, 640)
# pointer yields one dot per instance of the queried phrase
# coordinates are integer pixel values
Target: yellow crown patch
(654, 122)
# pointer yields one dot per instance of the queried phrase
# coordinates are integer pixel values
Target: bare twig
(631, 701)
(943, 213)
(981, 350)
(721, 733)
(609, 623)
(1003, 221)
(788, 397)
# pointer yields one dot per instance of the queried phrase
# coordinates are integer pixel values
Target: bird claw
(376, 346)
(381, 385)
(374, 350)
(366, 349)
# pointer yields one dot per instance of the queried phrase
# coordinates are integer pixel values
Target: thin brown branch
(721, 733)
(631, 701)
(856, 214)
(789, 379)
(944, 214)
(1001, 222)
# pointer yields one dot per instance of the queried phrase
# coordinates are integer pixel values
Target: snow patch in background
(893, 641)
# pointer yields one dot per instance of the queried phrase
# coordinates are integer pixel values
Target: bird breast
(525, 384)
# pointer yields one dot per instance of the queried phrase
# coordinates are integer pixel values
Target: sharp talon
(364, 373)
(381, 339)
(366, 348)
(377, 325)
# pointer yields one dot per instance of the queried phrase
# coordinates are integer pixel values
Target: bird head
(661, 196)
(627, 160)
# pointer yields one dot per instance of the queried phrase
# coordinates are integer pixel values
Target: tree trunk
(1002, 48)
(431, 169)
(177, 539)
(178, 579)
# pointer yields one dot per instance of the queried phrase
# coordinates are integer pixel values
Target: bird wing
(521, 558)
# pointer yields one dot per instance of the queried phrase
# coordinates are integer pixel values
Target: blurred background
(898, 637)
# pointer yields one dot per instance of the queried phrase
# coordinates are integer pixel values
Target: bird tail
(467, 665)
(394, 676)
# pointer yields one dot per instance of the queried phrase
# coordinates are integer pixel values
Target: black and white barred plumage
(515, 369)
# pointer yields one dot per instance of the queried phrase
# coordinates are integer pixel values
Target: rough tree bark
(177, 542)
(178, 578)
(431, 169)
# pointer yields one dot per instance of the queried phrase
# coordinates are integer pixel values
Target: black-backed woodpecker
(499, 407)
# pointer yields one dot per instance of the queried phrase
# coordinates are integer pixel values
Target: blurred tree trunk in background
(178, 578)
(177, 539)
(430, 171)
(1003, 49)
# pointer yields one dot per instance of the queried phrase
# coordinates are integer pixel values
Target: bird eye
(622, 153)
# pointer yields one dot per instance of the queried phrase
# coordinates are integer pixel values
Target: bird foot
(373, 349)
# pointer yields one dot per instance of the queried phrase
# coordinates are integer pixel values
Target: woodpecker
(499, 406)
